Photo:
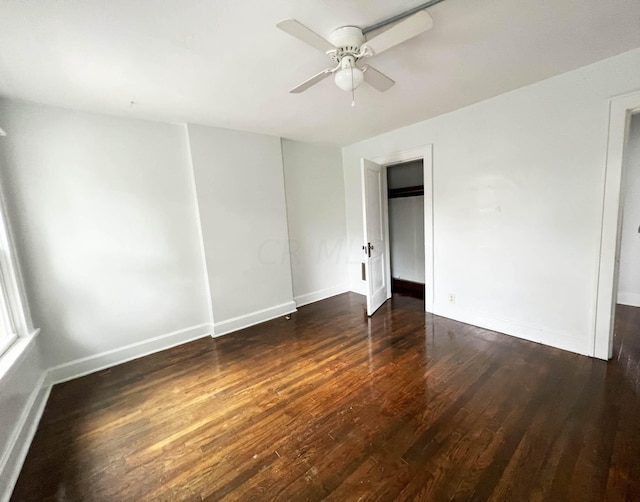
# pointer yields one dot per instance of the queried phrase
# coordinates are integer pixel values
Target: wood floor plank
(338, 406)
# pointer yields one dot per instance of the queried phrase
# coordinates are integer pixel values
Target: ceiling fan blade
(404, 30)
(301, 32)
(312, 81)
(377, 79)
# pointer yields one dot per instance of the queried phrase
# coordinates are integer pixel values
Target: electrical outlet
(452, 298)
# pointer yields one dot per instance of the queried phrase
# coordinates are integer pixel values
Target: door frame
(424, 153)
(620, 110)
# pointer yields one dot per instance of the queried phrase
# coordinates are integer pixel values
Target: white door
(374, 244)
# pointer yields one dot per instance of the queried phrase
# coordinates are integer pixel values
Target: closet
(405, 184)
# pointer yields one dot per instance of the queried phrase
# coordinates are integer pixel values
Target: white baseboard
(97, 362)
(360, 289)
(321, 294)
(18, 444)
(525, 331)
(630, 299)
(244, 321)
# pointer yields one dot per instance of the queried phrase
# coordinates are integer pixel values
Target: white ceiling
(224, 63)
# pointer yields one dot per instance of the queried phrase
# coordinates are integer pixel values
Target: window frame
(8, 334)
(15, 318)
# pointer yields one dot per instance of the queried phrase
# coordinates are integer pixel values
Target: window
(8, 333)
(14, 316)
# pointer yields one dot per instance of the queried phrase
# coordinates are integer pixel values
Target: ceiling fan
(348, 46)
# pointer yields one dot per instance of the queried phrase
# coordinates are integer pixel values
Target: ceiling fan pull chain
(353, 90)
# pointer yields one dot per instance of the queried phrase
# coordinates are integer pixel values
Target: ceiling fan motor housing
(347, 39)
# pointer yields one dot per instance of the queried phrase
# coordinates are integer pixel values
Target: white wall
(240, 187)
(629, 278)
(518, 186)
(103, 212)
(406, 238)
(314, 187)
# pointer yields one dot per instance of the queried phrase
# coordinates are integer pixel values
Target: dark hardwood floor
(626, 345)
(331, 404)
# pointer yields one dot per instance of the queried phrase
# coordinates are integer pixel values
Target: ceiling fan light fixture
(349, 78)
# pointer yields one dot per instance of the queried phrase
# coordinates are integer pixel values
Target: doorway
(405, 194)
(621, 110)
(372, 275)
(626, 340)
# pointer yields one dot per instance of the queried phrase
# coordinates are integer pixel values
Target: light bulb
(348, 78)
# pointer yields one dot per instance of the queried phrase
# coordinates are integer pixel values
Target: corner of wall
(203, 256)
